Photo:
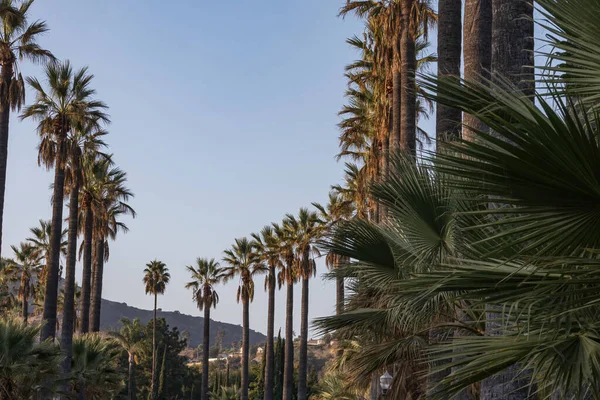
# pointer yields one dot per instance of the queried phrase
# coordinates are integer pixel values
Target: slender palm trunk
(86, 277)
(51, 290)
(7, 73)
(477, 53)
(152, 384)
(448, 119)
(97, 287)
(408, 99)
(131, 383)
(205, 344)
(396, 135)
(512, 59)
(339, 289)
(270, 354)
(66, 337)
(25, 304)
(303, 359)
(245, 345)
(288, 370)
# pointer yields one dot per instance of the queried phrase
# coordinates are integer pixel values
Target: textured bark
(303, 357)
(206, 343)
(408, 97)
(7, 73)
(448, 119)
(131, 383)
(288, 371)
(477, 54)
(245, 346)
(25, 308)
(339, 295)
(97, 287)
(270, 354)
(86, 277)
(51, 290)
(153, 382)
(512, 59)
(66, 337)
(395, 136)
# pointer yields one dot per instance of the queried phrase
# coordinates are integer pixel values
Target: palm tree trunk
(408, 99)
(130, 386)
(25, 310)
(288, 370)
(7, 73)
(245, 345)
(97, 287)
(51, 290)
(152, 384)
(205, 346)
(66, 337)
(86, 276)
(448, 119)
(269, 351)
(477, 53)
(512, 59)
(303, 361)
(396, 135)
(339, 289)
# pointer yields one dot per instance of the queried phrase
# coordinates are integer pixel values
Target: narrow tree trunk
(303, 361)
(339, 289)
(245, 345)
(25, 310)
(477, 54)
(66, 337)
(152, 384)
(396, 135)
(205, 345)
(86, 277)
(448, 119)
(7, 73)
(269, 351)
(97, 287)
(51, 290)
(288, 370)
(130, 386)
(408, 99)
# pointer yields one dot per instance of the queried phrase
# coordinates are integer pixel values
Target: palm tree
(68, 102)
(448, 119)
(337, 210)
(477, 53)
(129, 338)
(41, 242)
(305, 229)
(26, 265)
(288, 275)
(110, 204)
(243, 262)
(408, 99)
(267, 249)
(83, 142)
(18, 42)
(205, 276)
(156, 278)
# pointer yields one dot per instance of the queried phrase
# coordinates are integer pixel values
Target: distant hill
(112, 312)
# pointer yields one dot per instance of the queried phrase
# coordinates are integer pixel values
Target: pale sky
(224, 116)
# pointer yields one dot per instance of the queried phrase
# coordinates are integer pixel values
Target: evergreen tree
(278, 369)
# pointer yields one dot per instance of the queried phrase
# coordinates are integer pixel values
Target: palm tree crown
(156, 277)
(205, 276)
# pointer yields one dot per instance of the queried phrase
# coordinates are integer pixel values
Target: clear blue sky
(223, 114)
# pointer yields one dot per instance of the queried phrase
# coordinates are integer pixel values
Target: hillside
(112, 312)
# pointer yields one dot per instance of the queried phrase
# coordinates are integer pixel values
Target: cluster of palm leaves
(482, 276)
(71, 126)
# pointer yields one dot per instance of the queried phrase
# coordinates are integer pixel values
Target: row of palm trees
(71, 124)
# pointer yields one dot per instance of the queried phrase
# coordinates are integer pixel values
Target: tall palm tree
(41, 242)
(129, 338)
(26, 265)
(305, 229)
(18, 42)
(408, 99)
(267, 248)
(205, 275)
(156, 278)
(448, 119)
(242, 262)
(68, 102)
(288, 276)
(477, 53)
(82, 143)
(110, 204)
